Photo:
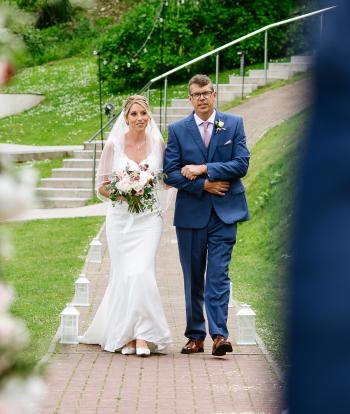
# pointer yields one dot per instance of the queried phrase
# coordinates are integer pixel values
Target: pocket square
(228, 142)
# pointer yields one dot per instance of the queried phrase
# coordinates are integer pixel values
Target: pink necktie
(206, 134)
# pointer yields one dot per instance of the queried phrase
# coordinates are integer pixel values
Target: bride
(130, 317)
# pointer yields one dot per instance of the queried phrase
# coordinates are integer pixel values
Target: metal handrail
(233, 42)
(227, 45)
(103, 128)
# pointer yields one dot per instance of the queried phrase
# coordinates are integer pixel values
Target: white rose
(145, 177)
(137, 186)
(16, 196)
(124, 184)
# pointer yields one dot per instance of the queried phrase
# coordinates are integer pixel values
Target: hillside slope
(260, 259)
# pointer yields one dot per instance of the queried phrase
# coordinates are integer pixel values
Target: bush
(189, 31)
(60, 41)
(30, 5)
(53, 12)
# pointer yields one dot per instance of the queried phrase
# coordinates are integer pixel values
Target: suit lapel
(195, 134)
(215, 136)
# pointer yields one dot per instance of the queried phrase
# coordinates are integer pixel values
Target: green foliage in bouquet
(155, 37)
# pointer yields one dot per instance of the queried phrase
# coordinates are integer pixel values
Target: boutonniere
(219, 125)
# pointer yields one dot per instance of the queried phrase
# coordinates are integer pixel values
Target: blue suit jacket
(227, 158)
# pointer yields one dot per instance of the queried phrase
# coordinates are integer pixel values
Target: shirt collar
(211, 119)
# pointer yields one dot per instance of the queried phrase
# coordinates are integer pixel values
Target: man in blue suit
(205, 159)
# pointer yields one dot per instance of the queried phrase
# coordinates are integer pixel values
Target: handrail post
(94, 170)
(321, 26)
(265, 59)
(165, 102)
(100, 95)
(160, 107)
(148, 95)
(217, 79)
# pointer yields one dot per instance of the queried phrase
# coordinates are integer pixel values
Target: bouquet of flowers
(136, 187)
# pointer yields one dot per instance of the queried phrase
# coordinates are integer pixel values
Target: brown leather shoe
(193, 346)
(220, 346)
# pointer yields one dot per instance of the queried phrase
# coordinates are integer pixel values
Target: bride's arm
(102, 188)
(105, 169)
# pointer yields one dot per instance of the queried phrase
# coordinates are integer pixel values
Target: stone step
(78, 163)
(170, 119)
(175, 102)
(72, 173)
(62, 202)
(229, 87)
(223, 87)
(259, 81)
(88, 154)
(68, 182)
(295, 67)
(272, 73)
(302, 59)
(176, 110)
(90, 145)
(46, 192)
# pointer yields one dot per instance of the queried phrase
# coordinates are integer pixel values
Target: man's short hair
(200, 80)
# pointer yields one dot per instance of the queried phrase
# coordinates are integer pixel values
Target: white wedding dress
(131, 307)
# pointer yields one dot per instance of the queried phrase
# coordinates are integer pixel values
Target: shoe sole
(221, 350)
(188, 351)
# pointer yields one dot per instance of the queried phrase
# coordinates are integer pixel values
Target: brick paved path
(84, 379)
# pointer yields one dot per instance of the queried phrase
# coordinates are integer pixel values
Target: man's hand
(191, 172)
(216, 187)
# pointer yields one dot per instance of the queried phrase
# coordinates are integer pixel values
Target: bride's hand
(102, 188)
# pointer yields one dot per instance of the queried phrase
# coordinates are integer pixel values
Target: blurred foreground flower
(6, 71)
(21, 396)
(20, 390)
(16, 189)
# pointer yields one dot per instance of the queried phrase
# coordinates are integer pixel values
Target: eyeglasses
(198, 95)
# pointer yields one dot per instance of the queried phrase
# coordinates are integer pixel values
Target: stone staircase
(70, 186)
(180, 108)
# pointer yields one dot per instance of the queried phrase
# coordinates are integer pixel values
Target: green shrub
(53, 12)
(30, 5)
(188, 31)
(60, 41)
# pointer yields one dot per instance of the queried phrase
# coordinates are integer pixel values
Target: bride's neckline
(135, 162)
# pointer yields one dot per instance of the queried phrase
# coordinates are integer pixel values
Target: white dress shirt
(200, 125)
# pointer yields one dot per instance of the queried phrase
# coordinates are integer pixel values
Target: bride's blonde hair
(138, 99)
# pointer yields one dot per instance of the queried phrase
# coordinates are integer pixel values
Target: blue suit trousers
(205, 256)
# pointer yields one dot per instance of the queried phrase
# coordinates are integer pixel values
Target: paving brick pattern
(85, 379)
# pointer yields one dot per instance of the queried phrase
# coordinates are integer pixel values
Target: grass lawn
(49, 255)
(69, 114)
(259, 266)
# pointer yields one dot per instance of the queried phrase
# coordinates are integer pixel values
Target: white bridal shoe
(141, 351)
(128, 350)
